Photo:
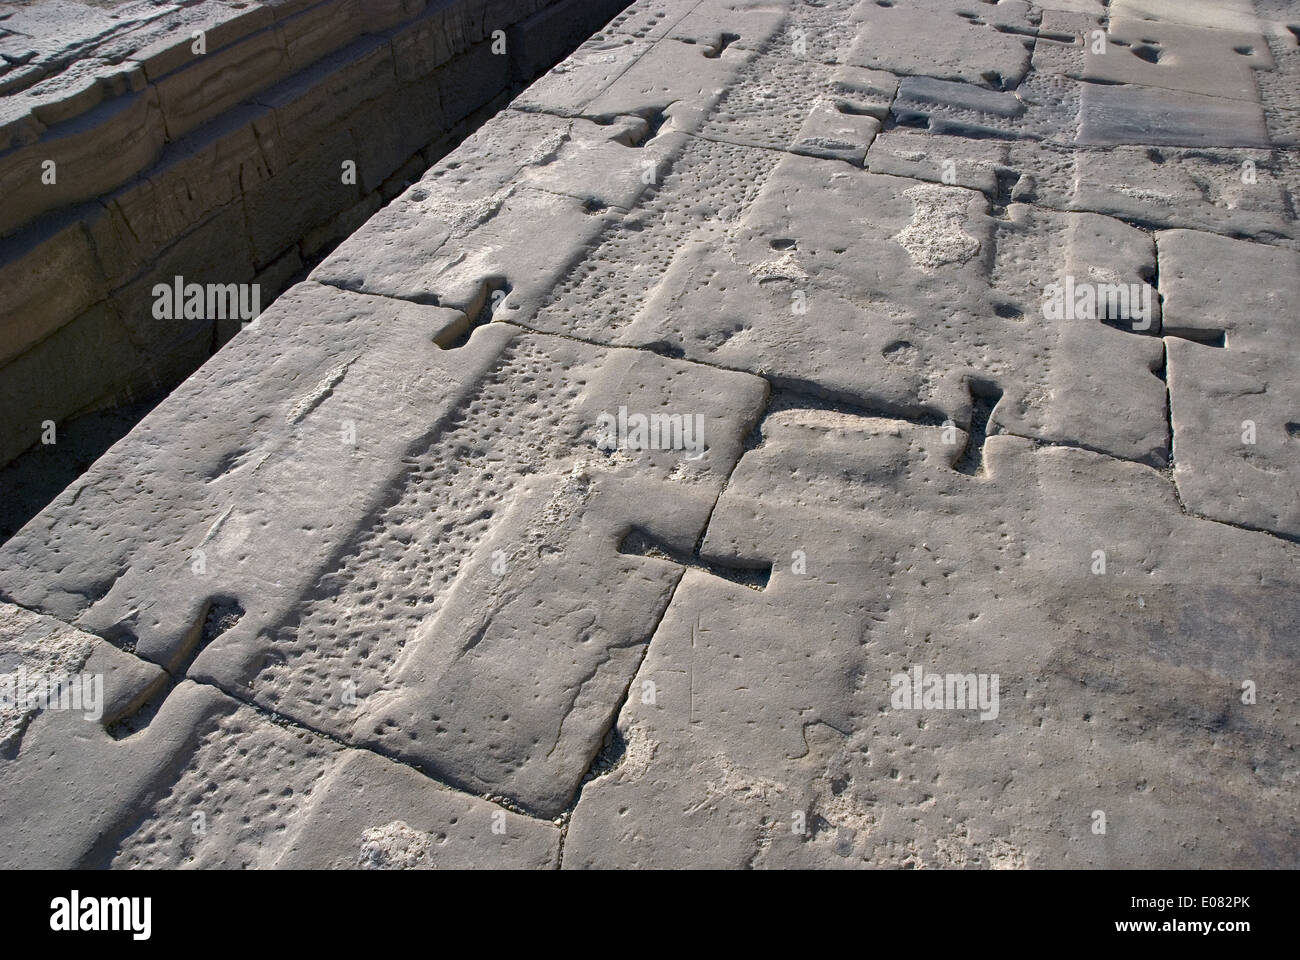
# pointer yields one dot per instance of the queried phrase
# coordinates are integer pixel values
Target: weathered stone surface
(673, 79)
(1197, 85)
(274, 125)
(1233, 192)
(581, 77)
(35, 649)
(205, 85)
(92, 154)
(306, 375)
(376, 815)
(771, 738)
(1153, 115)
(1236, 435)
(316, 100)
(1235, 395)
(192, 180)
(64, 788)
(989, 45)
(478, 699)
(1213, 63)
(967, 350)
(58, 278)
(1225, 191)
(201, 781)
(559, 511)
(1243, 293)
(1219, 14)
(834, 279)
(463, 226)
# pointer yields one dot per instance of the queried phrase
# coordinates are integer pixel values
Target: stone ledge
(167, 175)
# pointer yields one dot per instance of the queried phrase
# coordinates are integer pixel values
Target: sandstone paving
(397, 581)
(235, 550)
(1216, 62)
(226, 143)
(767, 736)
(1233, 378)
(202, 781)
(782, 302)
(990, 45)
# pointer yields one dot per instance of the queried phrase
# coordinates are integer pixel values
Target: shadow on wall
(30, 482)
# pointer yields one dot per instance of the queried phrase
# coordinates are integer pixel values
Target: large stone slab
(479, 510)
(1121, 114)
(1218, 14)
(1154, 53)
(902, 297)
(307, 358)
(988, 45)
(1236, 435)
(188, 778)
(377, 815)
(1218, 288)
(773, 737)
(1234, 399)
(251, 793)
(1226, 191)
(471, 221)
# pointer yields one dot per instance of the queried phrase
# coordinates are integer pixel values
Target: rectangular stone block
(1172, 56)
(1128, 114)
(195, 178)
(1236, 434)
(934, 39)
(224, 25)
(313, 31)
(204, 86)
(310, 105)
(304, 194)
(48, 275)
(781, 706)
(214, 252)
(92, 154)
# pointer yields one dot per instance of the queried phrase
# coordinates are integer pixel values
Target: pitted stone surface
(586, 505)
(1234, 382)
(749, 734)
(989, 45)
(231, 144)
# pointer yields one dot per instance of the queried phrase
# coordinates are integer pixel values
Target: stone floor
(794, 433)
